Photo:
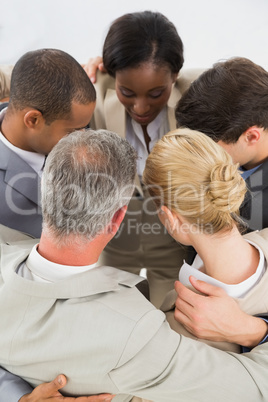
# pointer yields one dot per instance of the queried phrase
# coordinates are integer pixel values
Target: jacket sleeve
(12, 388)
(175, 368)
(5, 75)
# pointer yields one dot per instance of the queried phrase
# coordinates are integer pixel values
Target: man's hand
(48, 392)
(216, 316)
(92, 66)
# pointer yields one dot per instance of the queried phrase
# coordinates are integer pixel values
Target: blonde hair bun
(226, 190)
(194, 176)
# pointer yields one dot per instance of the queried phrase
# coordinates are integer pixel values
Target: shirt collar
(33, 159)
(49, 271)
(153, 128)
(247, 173)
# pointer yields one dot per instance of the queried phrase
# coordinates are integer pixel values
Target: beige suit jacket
(5, 74)
(153, 249)
(255, 301)
(106, 337)
(110, 113)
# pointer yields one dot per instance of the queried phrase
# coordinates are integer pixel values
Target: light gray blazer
(106, 337)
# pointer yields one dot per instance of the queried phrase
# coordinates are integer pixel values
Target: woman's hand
(92, 66)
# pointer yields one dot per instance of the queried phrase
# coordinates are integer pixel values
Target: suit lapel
(115, 114)
(173, 99)
(115, 117)
(257, 180)
(19, 175)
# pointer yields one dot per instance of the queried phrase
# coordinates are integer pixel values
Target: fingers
(189, 307)
(184, 312)
(188, 302)
(185, 294)
(184, 304)
(59, 382)
(46, 391)
(50, 389)
(94, 398)
(101, 68)
(92, 66)
(49, 392)
(206, 288)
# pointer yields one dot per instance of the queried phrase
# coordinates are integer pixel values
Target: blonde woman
(198, 191)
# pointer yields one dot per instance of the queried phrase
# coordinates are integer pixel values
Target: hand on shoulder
(49, 392)
(92, 66)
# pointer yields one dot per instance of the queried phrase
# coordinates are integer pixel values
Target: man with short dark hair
(50, 96)
(229, 103)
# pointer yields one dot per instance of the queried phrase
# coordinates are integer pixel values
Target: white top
(238, 290)
(134, 134)
(33, 159)
(39, 269)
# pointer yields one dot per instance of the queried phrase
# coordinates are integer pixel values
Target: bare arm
(216, 316)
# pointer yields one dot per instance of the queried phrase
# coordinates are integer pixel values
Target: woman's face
(144, 91)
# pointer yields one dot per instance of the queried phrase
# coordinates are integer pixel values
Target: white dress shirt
(134, 134)
(33, 159)
(39, 269)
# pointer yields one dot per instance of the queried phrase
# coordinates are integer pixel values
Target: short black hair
(49, 80)
(141, 37)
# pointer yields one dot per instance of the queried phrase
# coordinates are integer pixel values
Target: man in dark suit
(50, 96)
(229, 103)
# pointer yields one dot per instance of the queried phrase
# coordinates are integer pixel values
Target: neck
(227, 256)
(11, 129)
(75, 254)
(14, 130)
(254, 163)
(259, 152)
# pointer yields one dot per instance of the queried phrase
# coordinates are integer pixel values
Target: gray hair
(88, 176)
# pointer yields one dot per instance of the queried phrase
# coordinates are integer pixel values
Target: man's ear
(252, 135)
(33, 119)
(117, 220)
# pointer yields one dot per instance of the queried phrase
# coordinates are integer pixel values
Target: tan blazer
(110, 114)
(106, 337)
(5, 74)
(255, 301)
(142, 241)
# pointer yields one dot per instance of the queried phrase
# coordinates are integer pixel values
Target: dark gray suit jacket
(255, 208)
(19, 194)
